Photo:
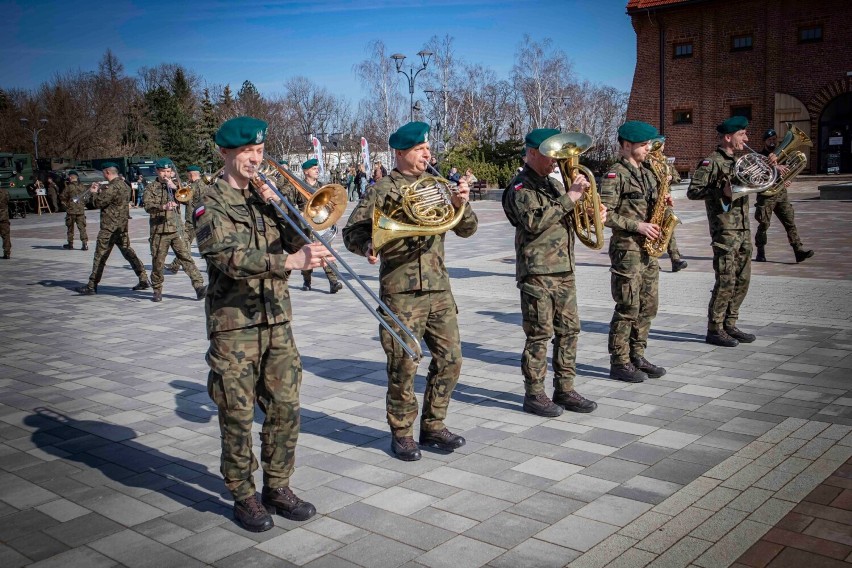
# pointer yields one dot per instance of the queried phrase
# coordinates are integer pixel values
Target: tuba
(789, 155)
(566, 149)
(426, 210)
(662, 216)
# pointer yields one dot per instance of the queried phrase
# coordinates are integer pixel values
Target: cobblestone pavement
(109, 444)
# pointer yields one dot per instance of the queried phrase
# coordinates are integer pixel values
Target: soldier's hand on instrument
(372, 258)
(266, 193)
(308, 257)
(603, 213)
(782, 169)
(650, 230)
(460, 195)
(578, 187)
(669, 200)
(94, 187)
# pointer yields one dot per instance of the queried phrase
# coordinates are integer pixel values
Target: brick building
(773, 61)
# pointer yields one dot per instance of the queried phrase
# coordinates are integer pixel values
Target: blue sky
(268, 41)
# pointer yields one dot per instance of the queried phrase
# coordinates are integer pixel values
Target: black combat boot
(442, 439)
(158, 296)
(283, 501)
(252, 515)
(647, 367)
(306, 286)
(574, 401)
(405, 448)
(336, 287)
(802, 255)
(85, 246)
(69, 246)
(678, 265)
(761, 255)
(142, 285)
(721, 338)
(88, 290)
(7, 255)
(540, 405)
(627, 373)
(200, 293)
(740, 336)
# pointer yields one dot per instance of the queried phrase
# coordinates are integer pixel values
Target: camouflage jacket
(629, 194)
(4, 205)
(198, 188)
(408, 264)
(544, 237)
(156, 195)
(245, 246)
(112, 200)
(74, 190)
(707, 184)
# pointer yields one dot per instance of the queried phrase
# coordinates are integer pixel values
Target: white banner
(318, 155)
(365, 155)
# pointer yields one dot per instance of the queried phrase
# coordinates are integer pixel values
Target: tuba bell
(789, 156)
(566, 149)
(426, 210)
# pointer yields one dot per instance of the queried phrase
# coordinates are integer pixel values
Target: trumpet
(323, 209)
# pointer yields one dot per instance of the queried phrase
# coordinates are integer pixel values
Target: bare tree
(380, 110)
(541, 75)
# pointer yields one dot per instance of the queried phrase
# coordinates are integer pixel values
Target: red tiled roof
(645, 4)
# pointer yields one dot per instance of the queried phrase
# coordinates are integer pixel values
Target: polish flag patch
(610, 175)
(705, 163)
(519, 186)
(199, 212)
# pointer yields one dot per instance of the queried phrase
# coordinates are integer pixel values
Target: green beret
(73, 173)
(539, 135)
(193, 169)
(106, 165)
(309, 163)
(241, 131)
(163, 163)
(409, 135)
(733, 124)
(637, 131)
(283, 162)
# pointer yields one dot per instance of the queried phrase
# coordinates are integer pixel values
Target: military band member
(167, 231)
(310, 169)
(540, 210)
(73, 198)
(197, 186)
(779, 204)
(250, 252)
(5, 232)
(729, 231)
(112, 201)
(630, 191)
(414, 283)
(678, 263)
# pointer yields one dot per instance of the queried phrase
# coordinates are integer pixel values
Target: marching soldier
(197, 185)
(539, 208)
(629, 191)
(112, 201)
(729, 231)
(310, 169)
(167, 231)
(779, 204)
(5, 232)
(415, 284)
(252, 357)
(73, 198)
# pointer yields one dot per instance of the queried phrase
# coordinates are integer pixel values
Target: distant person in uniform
(197, 185)
(5, 229)
(310, 170)
(74, 199)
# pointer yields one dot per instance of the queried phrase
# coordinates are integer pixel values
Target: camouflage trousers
(431, 316)
(189, 231)
(80, 221)
(732, 264)
(256, 364)
(160, 244)
(634, 279)
(549, 310)
(783, 209)
(106, 240)
(6, 235)
(674, 252)
(329, 273)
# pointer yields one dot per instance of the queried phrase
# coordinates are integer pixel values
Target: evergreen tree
(207, 127)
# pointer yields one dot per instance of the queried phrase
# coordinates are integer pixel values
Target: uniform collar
(725, 154)
(533, 176)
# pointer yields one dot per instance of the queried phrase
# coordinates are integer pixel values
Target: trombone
(321, 212)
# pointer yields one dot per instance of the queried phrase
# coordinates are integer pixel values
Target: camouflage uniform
(299, 202)
(198, 187)
(544, 270)
(75, 212)
(779, 204)
(629, 194)
(729, 231)
(252, 355)
(674, 252)
(53, 196)
(414, 283)
(5, 233)
(167, 231)
(112, 201)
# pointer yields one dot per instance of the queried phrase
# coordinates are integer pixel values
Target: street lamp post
(430, 95)
(35, 131)
(398, 59)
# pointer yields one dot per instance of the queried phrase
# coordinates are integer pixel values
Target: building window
(682, 50)
(810, 34)
(682, 117)
(742, 43)
(743, 110)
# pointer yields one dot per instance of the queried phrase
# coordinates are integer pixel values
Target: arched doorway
(835, 136)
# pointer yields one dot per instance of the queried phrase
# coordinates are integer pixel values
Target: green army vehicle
(17, 176)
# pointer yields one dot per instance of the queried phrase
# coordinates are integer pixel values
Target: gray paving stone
(582, 487)
(577, 532)
(646, 489)
(536, 554)
(505, 530)
(378, 551)
(254, 558)
(212, 544)
(403, 529)
(299, 546)
(83, 557)
(134, 550)
(614, 510)
(37, 546)
(460, 551)
(675, 471)
(473, 505)
(643, 453)
(546, 507)
(613, 469)
(11, 558)
(82, 530)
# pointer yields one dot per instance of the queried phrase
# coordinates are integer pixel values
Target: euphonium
(662, 215)
(566, 149)
(426, 210)
(790, 156)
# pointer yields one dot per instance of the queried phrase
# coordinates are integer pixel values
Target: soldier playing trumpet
(74, 198)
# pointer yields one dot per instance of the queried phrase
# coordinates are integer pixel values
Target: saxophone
(662, 215)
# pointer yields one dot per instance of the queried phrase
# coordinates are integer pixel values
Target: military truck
(131, 166)
(17, 176)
